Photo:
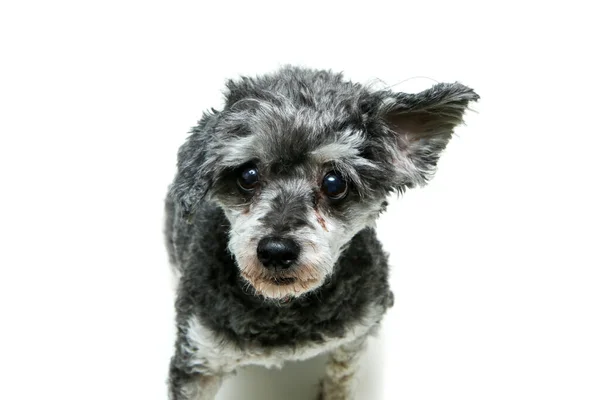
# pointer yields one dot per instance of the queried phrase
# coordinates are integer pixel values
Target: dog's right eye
(248, 178)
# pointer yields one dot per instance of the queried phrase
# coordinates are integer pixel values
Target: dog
(270, 221)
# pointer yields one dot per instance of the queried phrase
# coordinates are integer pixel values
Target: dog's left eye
(248, 178)
(334, 186)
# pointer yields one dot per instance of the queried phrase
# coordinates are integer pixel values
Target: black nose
(277, 252)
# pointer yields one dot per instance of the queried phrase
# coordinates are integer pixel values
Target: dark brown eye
(334, 186)
(248, 178)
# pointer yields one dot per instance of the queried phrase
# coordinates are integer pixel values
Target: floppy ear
(194, 176)
(421, 126)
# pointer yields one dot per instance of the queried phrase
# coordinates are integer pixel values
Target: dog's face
(301, 161)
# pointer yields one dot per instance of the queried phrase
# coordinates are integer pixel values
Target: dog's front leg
(197, 369)
(195, 387)
(341, 368)
(186, 384)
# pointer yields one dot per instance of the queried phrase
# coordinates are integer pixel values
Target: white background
(495, 263)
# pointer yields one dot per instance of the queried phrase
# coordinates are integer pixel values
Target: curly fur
(295, 125)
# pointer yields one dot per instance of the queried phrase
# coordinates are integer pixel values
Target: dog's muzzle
(279, 269)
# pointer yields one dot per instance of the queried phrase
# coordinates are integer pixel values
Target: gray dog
(270, 221)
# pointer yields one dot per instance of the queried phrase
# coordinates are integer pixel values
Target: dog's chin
(282, 287)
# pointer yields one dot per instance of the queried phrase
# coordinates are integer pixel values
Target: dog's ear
(421, 125)
(194, 175)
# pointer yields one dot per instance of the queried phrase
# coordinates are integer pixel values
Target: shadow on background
(300, 380)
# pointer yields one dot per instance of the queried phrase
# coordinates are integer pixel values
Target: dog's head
(302, 160)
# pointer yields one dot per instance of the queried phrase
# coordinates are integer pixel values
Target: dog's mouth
(282, 281)
(280, 286)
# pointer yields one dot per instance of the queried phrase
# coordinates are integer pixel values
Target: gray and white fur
(299, 162)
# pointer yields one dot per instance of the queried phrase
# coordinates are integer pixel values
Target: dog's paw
(330, 391)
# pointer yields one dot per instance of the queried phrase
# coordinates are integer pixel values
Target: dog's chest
(208, 351)
(276, 356)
